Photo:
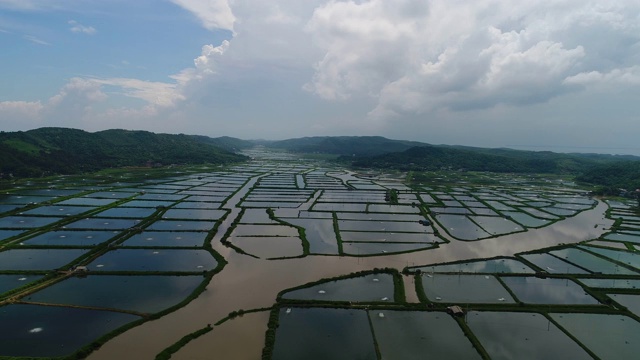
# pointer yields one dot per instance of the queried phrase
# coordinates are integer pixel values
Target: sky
(559, 75)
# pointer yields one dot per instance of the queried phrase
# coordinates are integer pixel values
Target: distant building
(455, 310)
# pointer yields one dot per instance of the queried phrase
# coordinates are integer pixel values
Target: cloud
(213, 14)
(155, 93)
(29, 5)
(28, 109)
(629, 76)
(358, 65)
(416, 56)
(35, 40)
(69, 107)
(76, 27)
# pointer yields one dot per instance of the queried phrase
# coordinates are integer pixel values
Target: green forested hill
(225, 142)
(345, 145)
(495, 160)
(619, 175)
(64, 151)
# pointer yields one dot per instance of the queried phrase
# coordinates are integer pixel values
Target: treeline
(613, 177)
(430, 158)
(344, 145)
(48, 151)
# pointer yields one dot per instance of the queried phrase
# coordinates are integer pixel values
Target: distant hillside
(345, 145)
(476, 159)
(526, 154)
(225, 142)
(619, 175)
(65, 151)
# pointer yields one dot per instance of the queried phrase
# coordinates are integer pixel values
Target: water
(387, 226)
(269, 247)
(154, 260)
(532, 290)
(37, 259)
(410, 335)
(45, 331)
(356, 236)
(460, 227)
(591, 262)
(496, 225)
(194, 214)
(71, 238)
(126, 212)
(181, 225)
(630, 301)
(395, 209)
(379, 217)
(102, 224)
(625, 257)
(360, 208)
(146, 294)
(623, 237)
(509, 335)
(612, 283)
(26, 222)
(167, 238)
(526, 219)
(264, 230)
(14, 281)
(552, 264)
(252, 283)
(336, 334)
(381, 248)
(614, 337)
(319, 233)
(368, 288)
(197, 205)
(465, 289)
(494, 266)
(53, 210)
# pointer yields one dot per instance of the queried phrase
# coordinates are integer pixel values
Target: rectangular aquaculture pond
(71, 238)
(152, 260)
(319, 334)
(410, 335)
(552, 264)
(166, 238)
(464, 289)
(511, 335)
(591, 262)
(492, 266)
(142, 293)
(14, 281)
(48, 331)
(368, 288)
(608, 336)
(533, 290)
(38, 259)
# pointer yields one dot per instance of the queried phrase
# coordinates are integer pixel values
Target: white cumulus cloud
(76, 27)
(214, 14)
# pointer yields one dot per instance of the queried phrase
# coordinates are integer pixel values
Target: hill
(48, 151)
(476, 159)
(344, 145)
(612, 177)
(225, 142)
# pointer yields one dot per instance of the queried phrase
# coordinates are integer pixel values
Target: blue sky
(562, 75)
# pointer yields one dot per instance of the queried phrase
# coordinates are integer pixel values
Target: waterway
(249, 283)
